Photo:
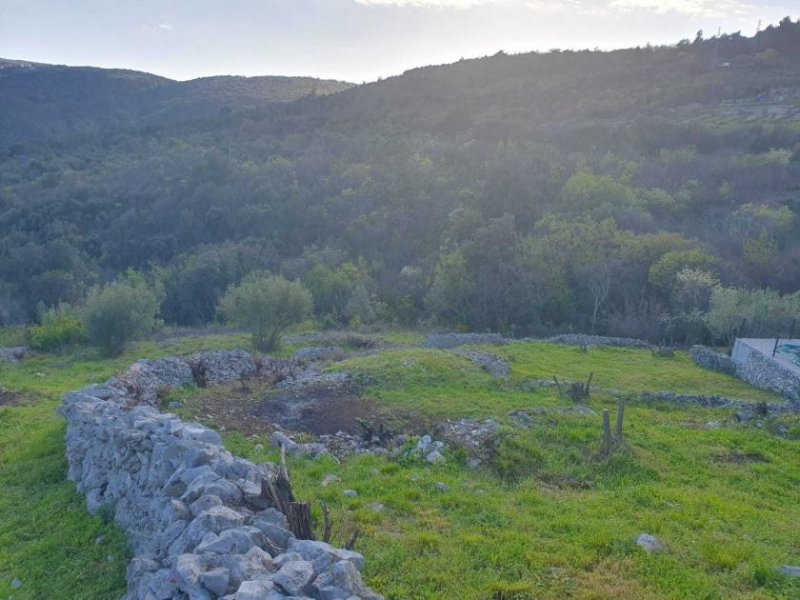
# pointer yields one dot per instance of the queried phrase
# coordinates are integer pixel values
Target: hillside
(527, 505)
(47, 102)
(526, 193)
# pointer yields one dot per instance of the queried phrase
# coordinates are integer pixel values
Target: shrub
(120, 312)
(266, 305)
(60, 329)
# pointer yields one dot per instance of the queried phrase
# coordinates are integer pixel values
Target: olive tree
(119, 312)
(266, 305)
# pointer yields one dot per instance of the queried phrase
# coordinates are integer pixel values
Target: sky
(352, 40)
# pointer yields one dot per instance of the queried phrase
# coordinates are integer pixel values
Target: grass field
(549, 518)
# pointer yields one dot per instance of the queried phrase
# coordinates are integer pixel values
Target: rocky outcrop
(712, 360)
(13, 355)
(197, 522)
(446, 341)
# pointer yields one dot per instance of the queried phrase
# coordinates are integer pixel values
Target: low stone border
(582, 339)
(709, 358)
(193, 513)
(447, 341)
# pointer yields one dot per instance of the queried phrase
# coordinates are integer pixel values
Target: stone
(188, 569)
(442, 487)
(294, 577)
(254, 564)
(310, 550)
(210, 368)
(649, 543)
(230, 541)
(317, 354)
(790, 571)
(347, 577)
(13, 355)
(204, 503)
(712, 360)
(192, 512)
(216, 580)
(435, 457)
(16, 584)
(446, 341)
(350, 493)
(424, 443)
(254, 590)
(330, 479)
(277, 536)
(490, 363)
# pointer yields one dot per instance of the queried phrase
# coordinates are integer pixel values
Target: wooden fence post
(620, 417)
(606, 430)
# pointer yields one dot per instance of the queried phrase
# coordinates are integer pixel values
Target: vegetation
(120, 312)
(636, 193)
(266, 306)
(525, 194)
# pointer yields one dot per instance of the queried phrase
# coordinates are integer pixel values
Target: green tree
(119, 312)
(765, 311)
(266, 305)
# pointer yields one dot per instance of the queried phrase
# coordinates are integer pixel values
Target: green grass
(630, 370)
(47, 540)
(549, 518)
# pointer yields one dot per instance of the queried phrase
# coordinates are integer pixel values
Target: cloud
(167, 26)
(605, 7)
(434, 3)
(706, 8)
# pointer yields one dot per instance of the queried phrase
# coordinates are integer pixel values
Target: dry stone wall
(710, 359)
(193, 512)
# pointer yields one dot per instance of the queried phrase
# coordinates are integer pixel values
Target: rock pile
(446, 341)
(13, 355)
(194, 513)
(319, 354)
(492, 364)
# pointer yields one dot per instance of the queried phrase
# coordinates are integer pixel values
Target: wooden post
(620, 417)
(300, 520)
(606, 430)
(278, 490)
(775, 349)
(791, 331)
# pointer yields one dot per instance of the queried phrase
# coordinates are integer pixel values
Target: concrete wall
(755, 365)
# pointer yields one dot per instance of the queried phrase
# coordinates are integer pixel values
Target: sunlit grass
(548, 518)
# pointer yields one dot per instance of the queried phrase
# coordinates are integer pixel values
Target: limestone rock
(649, 543)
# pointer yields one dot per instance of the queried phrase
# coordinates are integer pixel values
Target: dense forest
(649, 192)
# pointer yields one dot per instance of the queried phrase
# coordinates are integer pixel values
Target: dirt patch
(255, 407)
(317, 413)
(739, 458)
(326, 412)
(565, 482)
(8, 398)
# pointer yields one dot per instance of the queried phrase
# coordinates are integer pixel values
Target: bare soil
(11, 398)
(255, 409)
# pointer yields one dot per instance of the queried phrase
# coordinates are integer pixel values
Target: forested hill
(612, 191)
(45, 102)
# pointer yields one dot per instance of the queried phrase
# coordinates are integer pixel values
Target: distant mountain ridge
(41, 102)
